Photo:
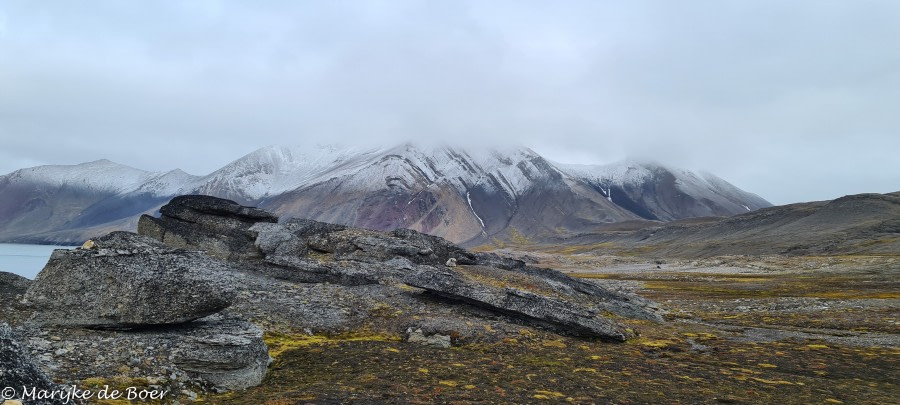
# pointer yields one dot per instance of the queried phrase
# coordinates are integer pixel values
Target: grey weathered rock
(18, 371)
(286, 247)
(365, 245)
(218, 226)
(12, 289)
(128, 281)
(567, 314)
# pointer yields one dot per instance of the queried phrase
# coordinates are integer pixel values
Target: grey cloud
(792, 100)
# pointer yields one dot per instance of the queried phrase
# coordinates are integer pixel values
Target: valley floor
(740, 330)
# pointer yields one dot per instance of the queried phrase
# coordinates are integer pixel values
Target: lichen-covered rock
(128, 281)
(529, 303)
(302, 237)
(18, 371)
(373, 246)
(218, 226)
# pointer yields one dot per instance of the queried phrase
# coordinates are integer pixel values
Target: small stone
(190, 394)
(436, 340)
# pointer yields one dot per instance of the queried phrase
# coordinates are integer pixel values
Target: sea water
(25, 260)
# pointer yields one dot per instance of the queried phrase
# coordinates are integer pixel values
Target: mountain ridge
(465, 195)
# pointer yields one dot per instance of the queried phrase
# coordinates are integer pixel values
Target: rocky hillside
(463, 195)
(183, 306)
(855, 224)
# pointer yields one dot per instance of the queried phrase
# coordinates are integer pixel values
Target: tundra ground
(739, 330)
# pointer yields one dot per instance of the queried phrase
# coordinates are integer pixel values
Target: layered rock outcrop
(219, 227)
(310, 251)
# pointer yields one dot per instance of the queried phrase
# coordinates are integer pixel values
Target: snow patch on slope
(469, 199)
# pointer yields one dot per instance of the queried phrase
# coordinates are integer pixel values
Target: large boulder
(18, 371)
(218, 226)
(128, 281)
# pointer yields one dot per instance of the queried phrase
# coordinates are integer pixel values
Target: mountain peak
(661, 192)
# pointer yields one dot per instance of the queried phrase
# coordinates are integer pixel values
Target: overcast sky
(793, 100)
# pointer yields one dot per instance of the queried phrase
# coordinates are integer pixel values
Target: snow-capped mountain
(658, 192)
(273, 170)
(463, 195)
(457, 194)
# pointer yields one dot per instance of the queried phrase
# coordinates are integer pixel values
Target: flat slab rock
(531, 299)
(128, 281)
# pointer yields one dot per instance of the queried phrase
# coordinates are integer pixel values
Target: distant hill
(855, 224)
(471, 195)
